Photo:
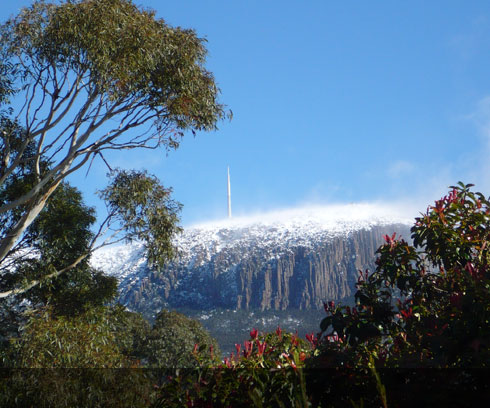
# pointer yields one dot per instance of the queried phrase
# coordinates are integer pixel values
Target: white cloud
(324, 215)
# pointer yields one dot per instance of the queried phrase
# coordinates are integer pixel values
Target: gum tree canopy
(84, 76)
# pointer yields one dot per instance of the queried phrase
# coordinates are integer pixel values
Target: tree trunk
(18, 229)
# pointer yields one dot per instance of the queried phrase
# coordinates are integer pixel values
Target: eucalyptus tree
(82, 77)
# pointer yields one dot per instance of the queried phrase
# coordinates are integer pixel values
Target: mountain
(292, 259)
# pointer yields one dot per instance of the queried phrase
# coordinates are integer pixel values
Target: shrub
(422, 317)
(171, 341)
(265, 372)
(68, 361)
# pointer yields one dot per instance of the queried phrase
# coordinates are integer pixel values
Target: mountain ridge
(286, 259)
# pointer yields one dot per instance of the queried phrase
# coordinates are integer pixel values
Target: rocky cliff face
(297, 262)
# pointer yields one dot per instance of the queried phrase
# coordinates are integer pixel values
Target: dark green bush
(422, 318)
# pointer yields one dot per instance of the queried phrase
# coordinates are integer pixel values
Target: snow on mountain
(225, 260)
(283, 228)
(289, 227)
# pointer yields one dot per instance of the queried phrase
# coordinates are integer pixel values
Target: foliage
(139, 203)
(47, 247)
(267, 372)
(71, 387)
(84, 77)
(171, 341)
(97, 357)
(60, 235)
(426, 307)
(6, 88)
(84, 341)
(124, 52)
(88, 76)
(61, 232)
(132, 332)
(139, 207)
(223, 325)
(79, 361)
(81, 287)
(21, 180)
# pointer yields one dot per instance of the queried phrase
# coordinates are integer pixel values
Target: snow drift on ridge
(325, 216)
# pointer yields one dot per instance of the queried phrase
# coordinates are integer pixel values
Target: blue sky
(333, 102)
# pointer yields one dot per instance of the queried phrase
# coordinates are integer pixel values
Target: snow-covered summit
(277, 231)
(279, 260)
(290, 227)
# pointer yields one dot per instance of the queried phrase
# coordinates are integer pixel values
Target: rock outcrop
(300, 277)
(267, 266)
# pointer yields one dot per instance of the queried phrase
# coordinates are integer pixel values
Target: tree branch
(36, 282)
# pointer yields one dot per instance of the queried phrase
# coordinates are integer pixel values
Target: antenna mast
(229, 194)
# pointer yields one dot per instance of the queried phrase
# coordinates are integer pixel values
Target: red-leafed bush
(267, 371)
(422, 317)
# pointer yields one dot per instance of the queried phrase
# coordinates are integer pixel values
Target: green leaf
(325, 323)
